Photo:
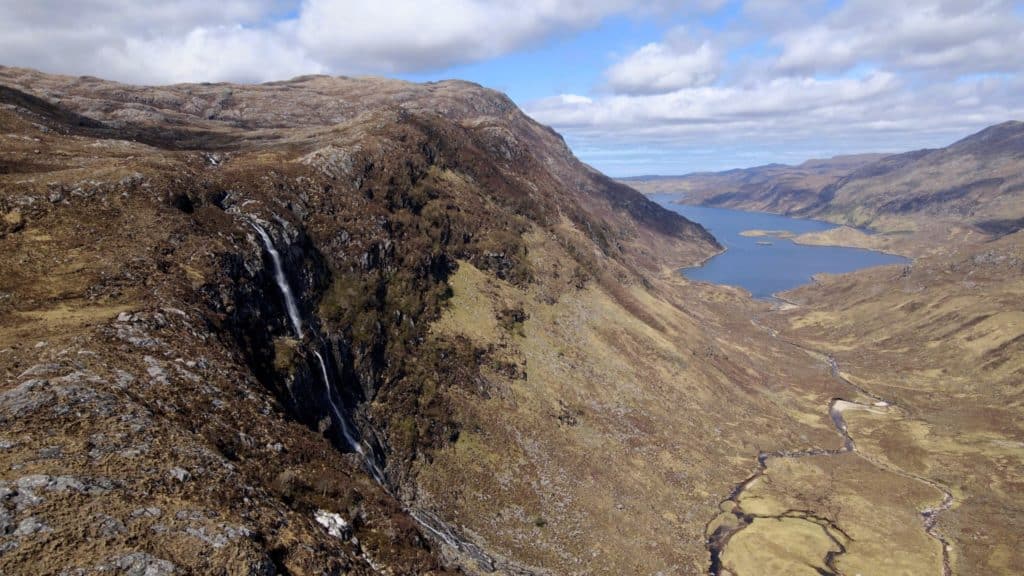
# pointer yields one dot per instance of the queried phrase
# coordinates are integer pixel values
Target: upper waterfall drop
(282, 281)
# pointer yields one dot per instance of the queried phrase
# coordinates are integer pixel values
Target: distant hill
(978, 180)
(772, 188)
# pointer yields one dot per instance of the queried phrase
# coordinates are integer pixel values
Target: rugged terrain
(491, 364)
(161, 410)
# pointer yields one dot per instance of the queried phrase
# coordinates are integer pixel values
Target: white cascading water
(371, 464)
(345, 432)
(282, 281)
(293, 314)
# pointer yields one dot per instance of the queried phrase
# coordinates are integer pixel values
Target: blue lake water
(766, 269)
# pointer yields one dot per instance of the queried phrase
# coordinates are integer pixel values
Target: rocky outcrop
(171, 401)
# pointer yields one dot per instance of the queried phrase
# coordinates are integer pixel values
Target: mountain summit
(218, 302)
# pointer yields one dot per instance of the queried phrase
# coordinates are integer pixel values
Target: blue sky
(635, 86)
(571, 63)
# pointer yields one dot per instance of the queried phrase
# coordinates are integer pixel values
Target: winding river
(718, 539)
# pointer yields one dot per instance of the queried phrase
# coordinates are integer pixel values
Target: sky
(636, 87)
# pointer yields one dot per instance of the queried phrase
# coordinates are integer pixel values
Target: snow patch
(336, 525)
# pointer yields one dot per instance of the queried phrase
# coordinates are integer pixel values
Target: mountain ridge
(975, 180)
(128, 219)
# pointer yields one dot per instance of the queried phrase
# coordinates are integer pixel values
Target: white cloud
(406, 35)
(167, 41)
(575, 99)
(948, 36)
(699, 107)
(102, 17)
(792, 80)
(663, 67)
(787, 119)
(210, 53)
(248, 40)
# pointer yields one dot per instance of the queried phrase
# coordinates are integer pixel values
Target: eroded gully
(434, 526)
(719, 538)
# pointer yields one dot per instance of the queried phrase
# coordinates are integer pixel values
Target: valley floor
(884, 406)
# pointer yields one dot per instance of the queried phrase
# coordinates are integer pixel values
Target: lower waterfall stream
(346, 432)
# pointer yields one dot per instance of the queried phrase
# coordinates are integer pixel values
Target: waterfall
(345, 432)
(371, 463)
(282, 281)
(437, 527)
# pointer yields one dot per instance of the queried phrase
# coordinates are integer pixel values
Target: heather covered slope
(977, 180)
(499, 327)
(142, 316)
(772, 188)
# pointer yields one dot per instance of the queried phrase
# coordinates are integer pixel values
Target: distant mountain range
(978, 180)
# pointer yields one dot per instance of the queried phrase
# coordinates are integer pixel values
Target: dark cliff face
(372, 192)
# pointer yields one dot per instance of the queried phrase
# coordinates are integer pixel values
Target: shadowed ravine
(719, 539)
(434, 527)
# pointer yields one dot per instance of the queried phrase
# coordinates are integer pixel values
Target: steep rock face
(130, 253)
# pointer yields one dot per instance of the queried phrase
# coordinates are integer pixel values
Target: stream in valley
(719, 539)
(765, 265)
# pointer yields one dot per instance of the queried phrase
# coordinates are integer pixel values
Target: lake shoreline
(764, 269)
